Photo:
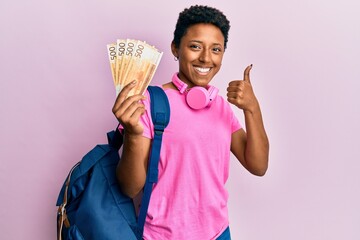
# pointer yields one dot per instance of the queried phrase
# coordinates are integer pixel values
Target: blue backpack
(91, 205)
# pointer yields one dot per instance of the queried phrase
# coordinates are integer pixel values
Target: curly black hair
(200, 14)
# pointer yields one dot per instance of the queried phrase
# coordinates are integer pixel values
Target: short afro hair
(200, 14)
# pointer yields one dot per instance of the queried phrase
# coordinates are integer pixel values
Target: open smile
(202, 70)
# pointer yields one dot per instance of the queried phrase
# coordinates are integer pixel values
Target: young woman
(190, 200)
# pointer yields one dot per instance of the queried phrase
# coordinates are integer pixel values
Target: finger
(135, 117)
(125, 91)
(123, 94)
(122, 106)
(231, 95)
(233, 100)
(239, 86)
(247, 73)
(131, 110)
(235, 95)
(234, 83)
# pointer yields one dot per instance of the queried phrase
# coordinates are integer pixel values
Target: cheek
(184, 59)
(218, 63)
(191, 56)
(218, 60)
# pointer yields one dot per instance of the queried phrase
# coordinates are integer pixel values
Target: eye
(195, 47)
(217, 50)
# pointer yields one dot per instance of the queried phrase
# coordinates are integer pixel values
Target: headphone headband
(196, 97)
(181, 86)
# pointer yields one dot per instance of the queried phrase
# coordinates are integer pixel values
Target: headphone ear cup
(197, 98)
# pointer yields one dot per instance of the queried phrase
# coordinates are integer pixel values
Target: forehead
(204, 33)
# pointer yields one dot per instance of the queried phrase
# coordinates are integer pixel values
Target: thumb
(247, 73)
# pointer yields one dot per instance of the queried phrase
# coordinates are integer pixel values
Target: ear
(174, 50)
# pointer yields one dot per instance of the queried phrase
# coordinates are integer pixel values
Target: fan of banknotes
(130, 60)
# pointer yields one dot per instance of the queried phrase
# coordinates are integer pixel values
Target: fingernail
(133, 82)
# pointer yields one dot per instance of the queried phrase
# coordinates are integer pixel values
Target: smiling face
(200, 54)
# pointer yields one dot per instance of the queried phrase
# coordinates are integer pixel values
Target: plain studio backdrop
(57, 94)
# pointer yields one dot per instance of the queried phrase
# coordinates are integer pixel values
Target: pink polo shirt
(190, 200)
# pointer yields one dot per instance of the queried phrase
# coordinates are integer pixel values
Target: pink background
(57, 94)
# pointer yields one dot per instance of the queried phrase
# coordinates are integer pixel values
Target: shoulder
(222, 103)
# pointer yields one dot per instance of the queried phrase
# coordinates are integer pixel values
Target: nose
(204, 56)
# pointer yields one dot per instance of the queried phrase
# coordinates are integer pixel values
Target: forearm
(257, 144)
(131, 170)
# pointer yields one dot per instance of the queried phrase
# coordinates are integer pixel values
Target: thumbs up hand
(241, 94)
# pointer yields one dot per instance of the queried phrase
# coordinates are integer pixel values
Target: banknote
(120, 51)
(111, 47)
(132, 59)
(140, 66)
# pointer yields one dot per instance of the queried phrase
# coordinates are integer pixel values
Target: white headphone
(196, 97)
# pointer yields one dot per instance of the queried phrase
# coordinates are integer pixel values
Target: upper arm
(253, 157)
(238, 145)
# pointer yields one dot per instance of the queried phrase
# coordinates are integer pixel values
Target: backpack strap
(160, 115)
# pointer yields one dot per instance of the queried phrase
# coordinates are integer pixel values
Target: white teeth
(202, 70)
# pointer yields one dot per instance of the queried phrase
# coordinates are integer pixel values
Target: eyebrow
(198, 41)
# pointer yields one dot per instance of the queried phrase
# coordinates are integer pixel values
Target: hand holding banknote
(128, 109)
(132, 60)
